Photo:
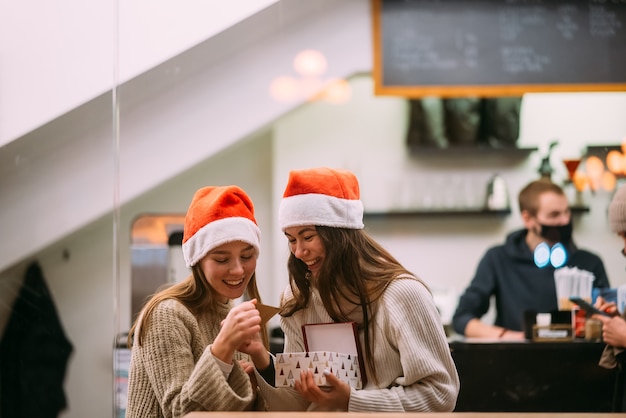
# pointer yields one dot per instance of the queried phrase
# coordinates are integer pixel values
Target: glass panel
(58, 208)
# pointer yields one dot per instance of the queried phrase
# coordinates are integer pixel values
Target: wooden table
(392, 415)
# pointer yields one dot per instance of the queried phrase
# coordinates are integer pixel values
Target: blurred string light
(601, 175)
(310, 65)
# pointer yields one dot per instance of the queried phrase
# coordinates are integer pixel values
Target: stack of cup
(572, 281)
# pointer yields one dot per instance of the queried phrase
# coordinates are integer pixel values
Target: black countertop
(532, 377)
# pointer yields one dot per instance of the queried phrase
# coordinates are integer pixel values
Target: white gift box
(344, 366)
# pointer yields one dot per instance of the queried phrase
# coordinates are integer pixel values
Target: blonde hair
(196, 294)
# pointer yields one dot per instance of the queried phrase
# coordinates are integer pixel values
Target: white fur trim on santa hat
(220, 232)
(321, 210)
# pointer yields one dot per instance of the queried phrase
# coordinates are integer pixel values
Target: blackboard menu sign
(491, 48)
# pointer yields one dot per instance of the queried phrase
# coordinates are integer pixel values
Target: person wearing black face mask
(520, 272)
(557, 233)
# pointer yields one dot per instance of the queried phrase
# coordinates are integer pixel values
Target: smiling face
(229, 268)
(306, 245)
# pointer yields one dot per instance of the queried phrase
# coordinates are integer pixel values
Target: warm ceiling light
(337, 92)
(594, 167)
(624, 145)
(285, 89)
(310, 88)
(580, 181)
(310, 63)
(615, 161)
(608, 181)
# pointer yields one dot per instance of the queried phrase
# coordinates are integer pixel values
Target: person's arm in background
(474, 303)
(613, 330)
(613, 327)
(475, 328)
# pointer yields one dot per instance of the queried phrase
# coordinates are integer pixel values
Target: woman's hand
(256, 350)
(608, 307)
(334, 396)
(240, 326)
(613, 330)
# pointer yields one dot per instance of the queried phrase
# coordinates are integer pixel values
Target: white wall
(72, 51)
(367, 136)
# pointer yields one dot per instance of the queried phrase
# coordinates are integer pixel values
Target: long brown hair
(197, 295)
(356, 272)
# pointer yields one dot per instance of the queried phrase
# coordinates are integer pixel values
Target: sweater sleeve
(475, 300)
(428, 381)
(181, 382)
(282, 398)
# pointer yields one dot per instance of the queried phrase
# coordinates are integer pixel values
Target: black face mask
(557, 233)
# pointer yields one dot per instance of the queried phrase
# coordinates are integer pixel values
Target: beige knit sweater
(413, 361)
(174, 372)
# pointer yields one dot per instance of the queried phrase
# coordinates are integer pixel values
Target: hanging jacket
(34, 352)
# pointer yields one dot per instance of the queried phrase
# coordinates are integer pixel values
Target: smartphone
(588, 307)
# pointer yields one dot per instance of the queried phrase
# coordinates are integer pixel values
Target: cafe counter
(529, 376)
(532, 377)
(521, 377)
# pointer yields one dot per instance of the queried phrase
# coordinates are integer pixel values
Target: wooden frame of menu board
(491, 48)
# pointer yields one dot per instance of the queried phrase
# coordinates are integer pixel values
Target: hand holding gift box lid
(330, 346)
(266, 312)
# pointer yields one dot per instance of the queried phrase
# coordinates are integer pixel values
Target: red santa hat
(321, 196)
(218, 215)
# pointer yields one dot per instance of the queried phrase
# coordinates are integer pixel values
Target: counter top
(509, 379)
(391, 415)
(533, 377)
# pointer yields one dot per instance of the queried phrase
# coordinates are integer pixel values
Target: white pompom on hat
(617, 210)
(322, 197)
(218, 215)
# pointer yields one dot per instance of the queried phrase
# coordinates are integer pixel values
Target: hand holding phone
(588, 307)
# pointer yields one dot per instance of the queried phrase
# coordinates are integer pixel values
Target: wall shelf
(473, 151)
(579, 209)
(407, 213)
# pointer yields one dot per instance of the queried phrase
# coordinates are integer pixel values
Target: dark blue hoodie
(509, 273)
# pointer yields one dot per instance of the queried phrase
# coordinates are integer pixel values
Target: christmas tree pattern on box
(344, 366)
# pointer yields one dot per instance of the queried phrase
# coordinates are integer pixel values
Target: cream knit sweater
(174, 372)
(413, 361)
